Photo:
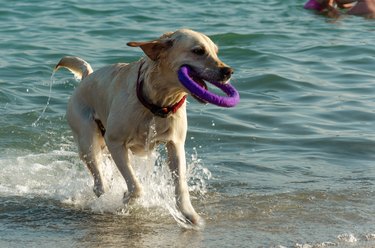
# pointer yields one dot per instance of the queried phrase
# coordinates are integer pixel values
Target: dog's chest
(149, 134)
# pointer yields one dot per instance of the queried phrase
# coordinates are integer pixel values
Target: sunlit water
(291, 166)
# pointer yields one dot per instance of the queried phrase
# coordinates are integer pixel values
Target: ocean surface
(293, 165)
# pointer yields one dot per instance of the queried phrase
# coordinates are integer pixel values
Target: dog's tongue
(198, 89)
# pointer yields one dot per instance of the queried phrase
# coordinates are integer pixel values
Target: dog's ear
(152, 48)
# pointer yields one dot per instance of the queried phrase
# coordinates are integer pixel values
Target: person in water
(319, 5)
(362, 7)
(326, 7)
(356, 7)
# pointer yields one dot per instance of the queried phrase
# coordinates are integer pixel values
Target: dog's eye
(199, 51)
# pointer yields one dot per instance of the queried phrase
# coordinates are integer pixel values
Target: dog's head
(187, 47)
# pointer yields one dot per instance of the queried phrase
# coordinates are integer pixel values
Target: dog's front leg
(177, 165)
(120, 155)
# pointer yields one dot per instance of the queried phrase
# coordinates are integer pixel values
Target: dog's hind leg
(90, 144)
(90, 149)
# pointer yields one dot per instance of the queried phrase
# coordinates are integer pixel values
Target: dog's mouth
(198, 88)
(201, 82)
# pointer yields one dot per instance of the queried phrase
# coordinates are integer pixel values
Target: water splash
(61, 176)
(52, 81)
(197, 174)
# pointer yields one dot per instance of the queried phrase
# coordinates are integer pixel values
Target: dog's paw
(127, 197)
(199, 223)
(130, 197)
(193, 221)
(98, 190)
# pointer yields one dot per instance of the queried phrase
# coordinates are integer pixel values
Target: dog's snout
(226, 72)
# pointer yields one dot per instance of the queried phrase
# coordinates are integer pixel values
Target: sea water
(291, 166)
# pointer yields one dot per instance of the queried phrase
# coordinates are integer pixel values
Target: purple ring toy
(201, 93)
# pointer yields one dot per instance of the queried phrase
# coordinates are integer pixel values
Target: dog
(116, 106)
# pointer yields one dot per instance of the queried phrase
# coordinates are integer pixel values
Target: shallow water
(291, 166)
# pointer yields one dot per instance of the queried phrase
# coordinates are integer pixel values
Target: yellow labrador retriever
(130, 108)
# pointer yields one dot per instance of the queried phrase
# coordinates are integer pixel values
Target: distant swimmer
(326, 7)
(362, 7)
(355, 7)
(319, 5)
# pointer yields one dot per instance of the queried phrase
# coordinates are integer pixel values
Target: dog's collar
(163, 112)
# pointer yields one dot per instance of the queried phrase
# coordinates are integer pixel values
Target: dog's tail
(77, 66)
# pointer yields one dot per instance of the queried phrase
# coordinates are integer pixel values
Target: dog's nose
(226, 72)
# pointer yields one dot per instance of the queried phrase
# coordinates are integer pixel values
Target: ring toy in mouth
(201, 92)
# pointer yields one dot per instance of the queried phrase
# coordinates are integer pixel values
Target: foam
(344, 240)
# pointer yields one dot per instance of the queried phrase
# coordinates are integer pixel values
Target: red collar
(163, 112)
